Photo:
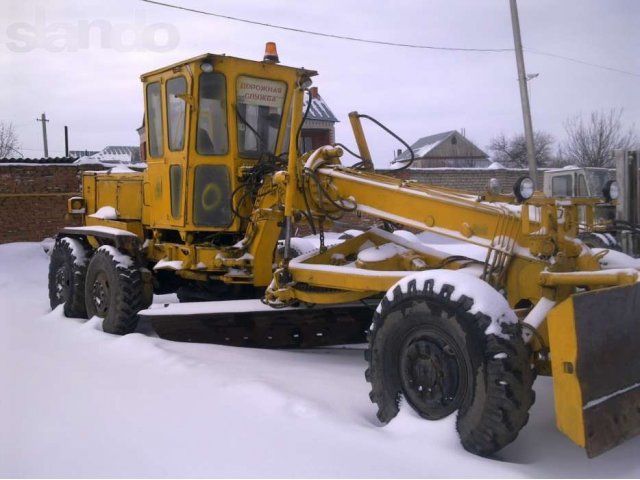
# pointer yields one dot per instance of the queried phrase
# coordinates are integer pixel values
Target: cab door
(166, 121)
(177, 92)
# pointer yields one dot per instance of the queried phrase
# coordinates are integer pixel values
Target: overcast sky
(91, 83)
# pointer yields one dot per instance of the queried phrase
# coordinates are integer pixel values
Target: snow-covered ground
(76, 402)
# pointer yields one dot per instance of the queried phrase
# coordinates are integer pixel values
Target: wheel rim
(100, 295)
(62, 284)
(433, 373)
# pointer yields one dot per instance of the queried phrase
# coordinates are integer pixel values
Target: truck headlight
(523, 189)
(494, 187)
(611, 190)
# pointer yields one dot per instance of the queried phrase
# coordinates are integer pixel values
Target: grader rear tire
(67, 272)
(114, 290)
(431, 351)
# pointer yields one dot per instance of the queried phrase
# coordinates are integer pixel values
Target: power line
(328, 35)
(582, 62)
(390, 44)
(39, 150)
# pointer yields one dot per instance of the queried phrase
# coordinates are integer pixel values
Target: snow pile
(77, 402)
(496, 166)
(613, 259)
(106, 213)
(121, 169)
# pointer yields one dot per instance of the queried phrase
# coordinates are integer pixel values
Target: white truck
(616, 226)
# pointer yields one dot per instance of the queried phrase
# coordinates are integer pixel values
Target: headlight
(611, 190)
(305, 83)
(494, 187)
(76, 205)
(523, 189)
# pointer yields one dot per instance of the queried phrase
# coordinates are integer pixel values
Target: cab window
(259, 106)
(211, 137)
(562, 186)
(176, 108)
(583, 190)
(154, 114)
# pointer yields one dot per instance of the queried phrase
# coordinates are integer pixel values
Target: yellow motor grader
(213, 218)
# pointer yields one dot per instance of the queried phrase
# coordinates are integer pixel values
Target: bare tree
(589, 143)
(9, 143)
(512, 151)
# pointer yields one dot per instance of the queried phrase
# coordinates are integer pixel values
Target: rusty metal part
(608, 335)
(612, 422)
(594, 339)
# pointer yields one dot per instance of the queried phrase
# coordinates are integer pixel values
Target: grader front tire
(431, 351)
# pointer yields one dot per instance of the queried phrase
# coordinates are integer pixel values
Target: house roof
(424, 145)
(319, 109)
(450, 145)
(39, 161)
(113, 154)
(82, 153)
(119, 150)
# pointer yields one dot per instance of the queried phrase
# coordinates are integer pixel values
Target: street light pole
(524, 95)
(531, 76)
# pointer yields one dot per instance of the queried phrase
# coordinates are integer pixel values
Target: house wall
(455, 151)
(33, 199)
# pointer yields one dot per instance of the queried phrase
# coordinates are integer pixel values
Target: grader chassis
(448, 332)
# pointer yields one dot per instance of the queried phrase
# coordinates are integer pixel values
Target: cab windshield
(211, 138)
(259, 107)
(597, 179)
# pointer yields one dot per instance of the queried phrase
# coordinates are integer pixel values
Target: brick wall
(470, 180)
(33, 199)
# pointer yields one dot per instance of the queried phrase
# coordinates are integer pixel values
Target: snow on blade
(600, 400)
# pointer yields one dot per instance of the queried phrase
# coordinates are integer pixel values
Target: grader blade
(249, 323)
(595, 340)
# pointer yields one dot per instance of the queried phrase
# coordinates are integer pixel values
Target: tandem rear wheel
(114, 290)
(67, 273)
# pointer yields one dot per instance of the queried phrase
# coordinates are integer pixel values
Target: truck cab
(572, 182)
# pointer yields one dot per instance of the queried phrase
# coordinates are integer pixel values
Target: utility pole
(44, 121)
(524, 94)
(66, 141)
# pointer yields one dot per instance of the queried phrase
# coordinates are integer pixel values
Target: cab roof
(214, 57)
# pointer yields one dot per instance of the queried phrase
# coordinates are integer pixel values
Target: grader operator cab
(213, 217)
